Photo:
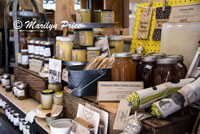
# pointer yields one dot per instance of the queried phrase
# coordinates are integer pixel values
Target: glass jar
(36, 49)
(112, 50)
(9, 110)
(117, 42)
(15, 87)
(181, 66)
(42, 49)
(86, 37)
(65, 49)
(32, 33)
(107, 16)
(4, 104)
(146, 70)
(47, 99)
(11, 33)
(123, 68)
(25, 60)
(31, 48)
(22, 33)
(6, 80)
(16, 119)
(96, 16)
(43, 34)
(165, 71)
(56, 86)
(27, 129)
(46, 65)
(57, 99)
(48, 50)
(159, 55)
(12, 116)
(22, 91)
(137, 61)
(79, 54)
(83, 16)
(21, 120)
(58, 46)
(92, 53)
(24, 126)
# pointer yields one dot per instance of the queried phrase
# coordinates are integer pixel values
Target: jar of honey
(123, 68)
(86, 37)
(166, 71)
(83, 16)
(65, 48)
(79, 54)
(146, 70)
(117, 42)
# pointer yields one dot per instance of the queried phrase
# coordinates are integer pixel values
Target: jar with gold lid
(146, 70)
(58, 98)
(79, 54)
(83, 16)
(47, 99)
(54, 85)
(123, 68)
(117, 42)
(166, 71)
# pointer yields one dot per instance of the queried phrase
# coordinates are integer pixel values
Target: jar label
(108, 18)
(78, 17)
(148, 67)
(37, 50)
(30, 49)
(81, 38)
(91, 56)
(19, 58)
(41, 50)
(47, 52)
(179, 65)
(20, 93)
(5, 82)
(24, 59)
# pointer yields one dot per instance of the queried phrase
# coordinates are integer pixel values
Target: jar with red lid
(137, 61)
(146, 70)
(166, 71)
(123, 68)
(181, 66)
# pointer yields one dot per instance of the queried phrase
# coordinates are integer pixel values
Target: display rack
(149, 44)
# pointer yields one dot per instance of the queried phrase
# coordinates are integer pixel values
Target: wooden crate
(71, 107)
(36, 83)
(179, 123)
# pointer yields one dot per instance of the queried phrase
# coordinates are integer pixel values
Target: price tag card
(115, 91)
(65, 75)
(55, 67)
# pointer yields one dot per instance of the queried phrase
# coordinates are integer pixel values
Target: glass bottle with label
(31, 48)
(42, 49)
(22, 92)
(123, 68)
(181, 66)
(146, 70)
(25, 55)
(117, 42)
(5, 79)
(36, 49)
(166, 71)
(48, 50)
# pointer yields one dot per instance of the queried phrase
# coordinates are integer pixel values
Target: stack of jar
(97, 16)
(20, 90)
(159, 68)
(14, 118)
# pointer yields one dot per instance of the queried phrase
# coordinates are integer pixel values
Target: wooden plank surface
(64, 11)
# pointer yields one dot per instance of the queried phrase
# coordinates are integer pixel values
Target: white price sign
(55, 67)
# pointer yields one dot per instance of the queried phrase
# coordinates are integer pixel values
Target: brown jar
(32, 33)
(181, 66)
(22, 91)
(22, 33)
(137, 61)
(123, 68)
(43, 34)
(25, 60)
(146, 70)
(166, 71)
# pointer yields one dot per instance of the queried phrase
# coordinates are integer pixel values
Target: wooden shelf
(25, 106)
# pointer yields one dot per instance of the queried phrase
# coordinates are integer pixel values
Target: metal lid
(47, 43)
(8, 87)
(22, 85)
(93, 48)
(123, 55)
(136, 57)
(31, 31)
(47, 91)
(97, 11)
(83, 10)
(31, 41)
(5, 76)
(37, 42)
(176, 57)
(149, 59)
(159, 55)
(58, 94)
(115, 37)
(107, 10)
(66, 39)
(166, 61)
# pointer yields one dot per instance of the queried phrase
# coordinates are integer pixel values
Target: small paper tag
(55, 67)
(122, 114)
(65, 75)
